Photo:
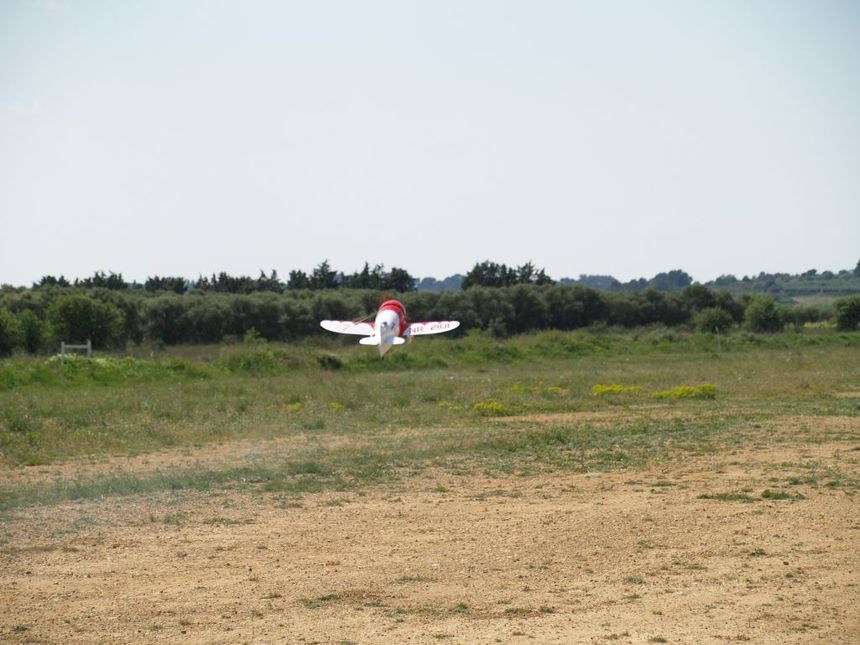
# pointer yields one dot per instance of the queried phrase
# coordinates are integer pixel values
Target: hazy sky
(179, 137)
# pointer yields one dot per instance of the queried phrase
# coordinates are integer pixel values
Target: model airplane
(390, 327)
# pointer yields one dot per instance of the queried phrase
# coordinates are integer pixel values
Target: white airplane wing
(434, 327)
(348, 327)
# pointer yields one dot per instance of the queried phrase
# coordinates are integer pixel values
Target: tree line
(36, 320)
(782, 286)
(323, 276)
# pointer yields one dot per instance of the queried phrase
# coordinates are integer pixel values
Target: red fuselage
(397, 307)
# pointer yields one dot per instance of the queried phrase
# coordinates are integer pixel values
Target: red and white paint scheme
(390, 327)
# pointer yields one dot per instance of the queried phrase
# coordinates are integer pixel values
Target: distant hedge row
(36, 320)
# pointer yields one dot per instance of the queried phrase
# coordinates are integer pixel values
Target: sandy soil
(629, 557)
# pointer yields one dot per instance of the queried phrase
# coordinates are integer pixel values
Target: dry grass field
(501, 501)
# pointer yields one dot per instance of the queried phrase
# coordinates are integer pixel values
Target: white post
(64, 346)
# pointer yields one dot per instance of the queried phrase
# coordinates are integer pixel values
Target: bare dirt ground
(628, 557)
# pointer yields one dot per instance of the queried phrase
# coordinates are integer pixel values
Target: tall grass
(472, 350)
(470, 398)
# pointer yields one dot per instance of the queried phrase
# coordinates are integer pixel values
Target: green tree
(847, 313)
(671, 281)
(32, 329)
(530, 311)
(725, 300)
(165, 319)
(699, 297)
(298, 280)
(269, 283)
(492, 309)
(761, 315)
(601, 282)
(204, 320)
(130, 306)
(565, 310)
(226, 283)
(525, 273)
(713, 320)
(489, 274)
(331, 306)
(323, 277)
(725, 280)
(399, 280)
(76, 318)
(296, 319)
(52, 281)
(167, 283)
(799, 315)
(367, 278)
(542, 278)
(11, 334)
(111, 280)
(646, 308)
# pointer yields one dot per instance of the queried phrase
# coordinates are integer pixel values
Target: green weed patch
(602, 389)
(704, 391)
(490, 408)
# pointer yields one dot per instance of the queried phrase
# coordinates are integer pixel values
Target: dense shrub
(329, 361)
(207, 319)
(529, 310)
(564, 310)
(164, 319)
(11, 335)
(647, 308)
(761, 315)
(111, 317)
(698, 297)
(714, 320)
(725, 301)
(33, 330)
(800, 315)
(847, 312)
(76, 318)
(131, 309)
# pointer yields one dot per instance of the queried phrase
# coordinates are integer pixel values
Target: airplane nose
(386, 330)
